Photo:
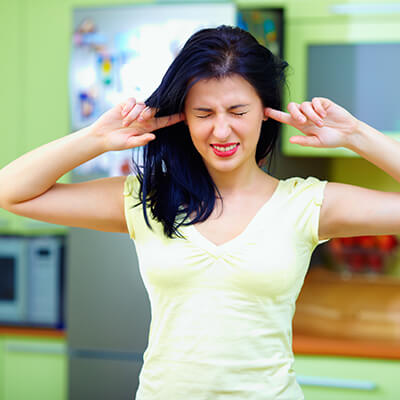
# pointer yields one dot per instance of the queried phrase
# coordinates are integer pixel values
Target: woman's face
(224, 118)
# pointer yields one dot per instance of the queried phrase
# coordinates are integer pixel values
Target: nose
(222, 128)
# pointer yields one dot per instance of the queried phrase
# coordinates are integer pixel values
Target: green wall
(35, 41)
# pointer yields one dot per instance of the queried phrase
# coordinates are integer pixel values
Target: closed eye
(205, 116)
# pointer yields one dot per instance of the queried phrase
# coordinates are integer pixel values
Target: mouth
(225, 150)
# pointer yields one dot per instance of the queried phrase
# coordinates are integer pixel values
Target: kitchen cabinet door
(35, 369)
(10, 92)
(47, 39)
(34, 41)
(1, 369)
(378, 378)
(11, 79)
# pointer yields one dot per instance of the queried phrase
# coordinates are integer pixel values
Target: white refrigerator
(116, 52)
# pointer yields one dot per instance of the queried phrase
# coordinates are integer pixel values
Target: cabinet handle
(336, 383)
(46, 348)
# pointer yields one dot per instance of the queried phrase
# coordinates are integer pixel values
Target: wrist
(357, 135)
(359, 140)
(93, 139)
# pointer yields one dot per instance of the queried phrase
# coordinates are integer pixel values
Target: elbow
(5, 205)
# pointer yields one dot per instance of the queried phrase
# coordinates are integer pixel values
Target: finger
(142, 140)
(147, 114)
(308, 110)
(296, 113)
(162, 122)
(127, 105)
(277, 115)
(318, 107)
(133, 114)
(310, 141)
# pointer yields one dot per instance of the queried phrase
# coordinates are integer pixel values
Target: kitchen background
(77, 329)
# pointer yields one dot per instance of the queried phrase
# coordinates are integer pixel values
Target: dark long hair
(174, 181)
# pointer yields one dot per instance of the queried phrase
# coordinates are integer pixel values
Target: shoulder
(131, 185)
(297, 186)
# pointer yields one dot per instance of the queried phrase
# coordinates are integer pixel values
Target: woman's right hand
(129, 124)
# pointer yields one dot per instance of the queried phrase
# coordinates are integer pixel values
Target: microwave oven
(348, 52)
(32, 281)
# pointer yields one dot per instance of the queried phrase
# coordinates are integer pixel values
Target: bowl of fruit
(363, 254)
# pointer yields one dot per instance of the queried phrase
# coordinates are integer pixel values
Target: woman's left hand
(324, 123)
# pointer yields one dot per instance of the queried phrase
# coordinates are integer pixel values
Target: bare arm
(28, 185)
(348, 210)
(34, 173)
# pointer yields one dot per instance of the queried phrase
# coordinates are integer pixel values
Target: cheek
(198, 133)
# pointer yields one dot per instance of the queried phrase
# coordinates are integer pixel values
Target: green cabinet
(328, 376)
(1, 368)
(34, 369)
(34, 39)
(11, 80)
(46, 30)
(10, 93)
(342, 29)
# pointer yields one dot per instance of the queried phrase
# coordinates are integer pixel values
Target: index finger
(162, 122)
(277, 115)
(147, 113)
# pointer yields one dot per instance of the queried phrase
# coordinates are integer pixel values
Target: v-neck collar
(198, 238)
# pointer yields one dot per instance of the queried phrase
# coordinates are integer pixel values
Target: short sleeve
(308, 195)
(131, 198)
(318, 197)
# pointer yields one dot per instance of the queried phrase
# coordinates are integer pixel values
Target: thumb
(311, 141)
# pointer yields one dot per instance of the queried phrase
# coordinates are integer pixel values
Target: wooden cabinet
(32, 368)
(356, 307)
(332, 378)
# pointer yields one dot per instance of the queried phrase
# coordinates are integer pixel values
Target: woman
(223, 246)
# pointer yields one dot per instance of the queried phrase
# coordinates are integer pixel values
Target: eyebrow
(230, 108)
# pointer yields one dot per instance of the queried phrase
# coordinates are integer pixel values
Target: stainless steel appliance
(31, 281)
(108, 311)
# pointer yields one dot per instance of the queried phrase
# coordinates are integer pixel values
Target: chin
(223, 165)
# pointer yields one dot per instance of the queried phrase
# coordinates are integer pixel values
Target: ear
(265, 114)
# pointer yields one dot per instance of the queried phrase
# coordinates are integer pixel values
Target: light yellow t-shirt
(221, 323)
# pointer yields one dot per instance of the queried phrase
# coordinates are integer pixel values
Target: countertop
(314, 345)
(32, 332)
(346, 315)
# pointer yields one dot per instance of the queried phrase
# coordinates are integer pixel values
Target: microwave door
(12, 280)
(7, 281)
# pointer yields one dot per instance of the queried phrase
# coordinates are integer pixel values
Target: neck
(238, 180)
